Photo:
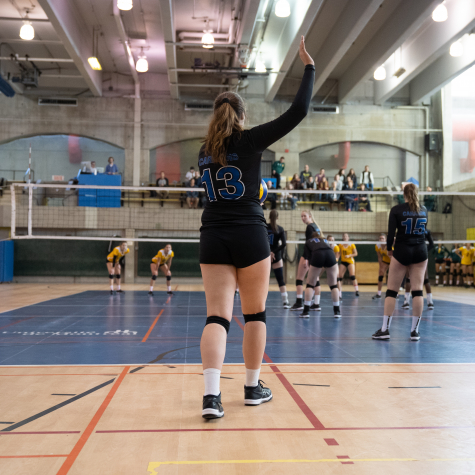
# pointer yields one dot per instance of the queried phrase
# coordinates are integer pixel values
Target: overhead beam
(350, 24)
(253, 10)
(408, 16)
(442, 71)
(284, 53)
(42, 42)
(76, 37)
(431, 43)
(169, 33)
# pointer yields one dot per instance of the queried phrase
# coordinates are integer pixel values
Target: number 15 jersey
(410, 226)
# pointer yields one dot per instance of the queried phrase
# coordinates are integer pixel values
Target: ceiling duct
(137, 35)
(51, 101)
(199, 106)
(326, 109)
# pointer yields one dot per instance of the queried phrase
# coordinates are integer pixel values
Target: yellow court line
(152, 466)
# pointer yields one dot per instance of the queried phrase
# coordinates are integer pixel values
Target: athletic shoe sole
(211, 414)
(337, 316)
(415, 338)
(385, 337)
(256, 402)
(295, 309)
(304, 316)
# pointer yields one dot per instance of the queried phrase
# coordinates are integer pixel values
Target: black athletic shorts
(239, 246)
(346, 264)
(277, 257)
(439, 261)
(323, 258)
(408, 255)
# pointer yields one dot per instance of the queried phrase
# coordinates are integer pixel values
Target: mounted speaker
(433, 142)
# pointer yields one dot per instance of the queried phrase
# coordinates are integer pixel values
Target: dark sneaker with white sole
(316, 307)
(286, 304)
(415, 336)
(212, 407)
(305, 313)
(253, 396)
(405, 305)
(336, 312)
(376, 297)
(297, 305)
(380, 335)
(430, 306)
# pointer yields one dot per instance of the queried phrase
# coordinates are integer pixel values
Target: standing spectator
(429, 200)
(162, 181)
(189, 175)
(271, 197)
(277, 169)
(192, 196)
(341, 173)
(323, 185)
(288, 196)
(93, 168)
(197, 179)
(111, 168)
(320, 176)
(296, 183)
(350, 203)
(364, 199)
(310, 185)
(305, 174)
(367, 178)
(352, 175)
(335, 197)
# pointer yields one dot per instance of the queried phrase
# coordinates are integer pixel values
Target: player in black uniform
(321, 256)
(234, 246)
(441, 254)
(410, 253)
(277, 243)
(312, 226)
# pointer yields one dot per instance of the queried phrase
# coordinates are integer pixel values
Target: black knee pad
(408, 281)
(154, 277)
(317, 284)
(256, 317)
(279, 275)
(299, 282)
(117, 276)
(111, 276)
(448, 272)
(451, 273)
(169, 277)
(426, 281)
(339, 279)
(380, 278)
(310, 286)
(220, 321)
(437, 274)
(353, 277)
(333, 287)
(417, 293)
(464, 275)
(391, 293)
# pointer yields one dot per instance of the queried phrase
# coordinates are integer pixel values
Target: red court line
(42, 433)
(290, 389)
(28, 456)
(331, 442)
(68, 463)
(65, 374)
(14, 323)
(151, 327)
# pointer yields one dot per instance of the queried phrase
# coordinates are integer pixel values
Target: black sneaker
(120, 291)
(286, 304)
(376, 297)
(305, 313)
(357, 294)
(316, 307)
(415, 336)
(169, 292)
(112, 292)
(405, 305)
(150, 293)
(336, 312)
(253, 396)
(380, 335)
(430, 306)
(212, 407)
(297, 305)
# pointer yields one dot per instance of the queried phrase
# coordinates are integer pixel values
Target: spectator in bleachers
(111, 168)
(429, 200)
(277, 168)
(320, 176)
(364, 198)
(335, 197)
(197, 179)
(189, 175)
(192, 196)
(93, 168)
(341, 173)
(305, 174)
(271, 197)
(351, 202)
(162, 181)
(352, 175)
(296, 183)
(288, 196)
(367, 178)
(323, 186)
(310, 184)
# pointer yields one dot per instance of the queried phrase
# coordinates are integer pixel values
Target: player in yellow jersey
(115, 261)
(466, 253)
(348, 252)
(336, 250)
(162, 261)
(384, 260)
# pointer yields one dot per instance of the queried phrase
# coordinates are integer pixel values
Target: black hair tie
(225, 101)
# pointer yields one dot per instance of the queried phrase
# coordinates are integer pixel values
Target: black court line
(64, 394)
(320, 385)
(137, 369)
(414, 387)
(7, 423)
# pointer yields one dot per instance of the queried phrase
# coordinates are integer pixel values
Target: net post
(13, 220)
(30, 208)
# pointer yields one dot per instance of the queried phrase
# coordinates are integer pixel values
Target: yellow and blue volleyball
(262, 191)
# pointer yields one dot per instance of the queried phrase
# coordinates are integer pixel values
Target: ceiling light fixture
(260, 66)
(141, 65)
(440, 13)
(207, 39)
(456, 49)
(380, 74)
(125, 5)
(27, 31)
(93, 61)
(282, 9)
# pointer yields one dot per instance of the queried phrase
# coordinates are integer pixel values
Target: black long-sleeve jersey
(233, 190)
(316, 244)
(275, 238)
(309, 230)
(429, 239)
(410, 225)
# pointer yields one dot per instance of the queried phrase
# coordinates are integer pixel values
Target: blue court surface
(94, 327)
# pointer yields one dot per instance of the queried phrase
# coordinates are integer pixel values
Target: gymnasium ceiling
(348, 39)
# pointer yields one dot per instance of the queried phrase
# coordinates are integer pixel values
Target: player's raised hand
(304, 56)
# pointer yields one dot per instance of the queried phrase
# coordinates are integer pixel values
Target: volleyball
(262, 191)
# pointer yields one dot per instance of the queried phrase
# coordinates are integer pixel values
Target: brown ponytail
(273, 216)
(228, 110)
(410, 194)
(318, 234)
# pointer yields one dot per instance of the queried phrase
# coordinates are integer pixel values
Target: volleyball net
(151, 214)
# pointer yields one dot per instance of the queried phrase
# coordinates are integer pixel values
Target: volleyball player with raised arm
(234, 246)
(163, 261)
(115, 261)
(277, 242)
(409, 219)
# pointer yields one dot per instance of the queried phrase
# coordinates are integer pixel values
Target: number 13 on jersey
(234, 187)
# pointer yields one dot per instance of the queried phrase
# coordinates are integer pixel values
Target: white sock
(415, 323)
(379, 292)
(386, 323)
(285, 297)
(429, 298)
(151, 288)
(299, 296)
(252, 377)
(336, 304)
(356, 288)
(307, 302)
(317, 299)
(169, 288)
(112, 287)
(118, 286)
(212, 376)
(406, 296)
